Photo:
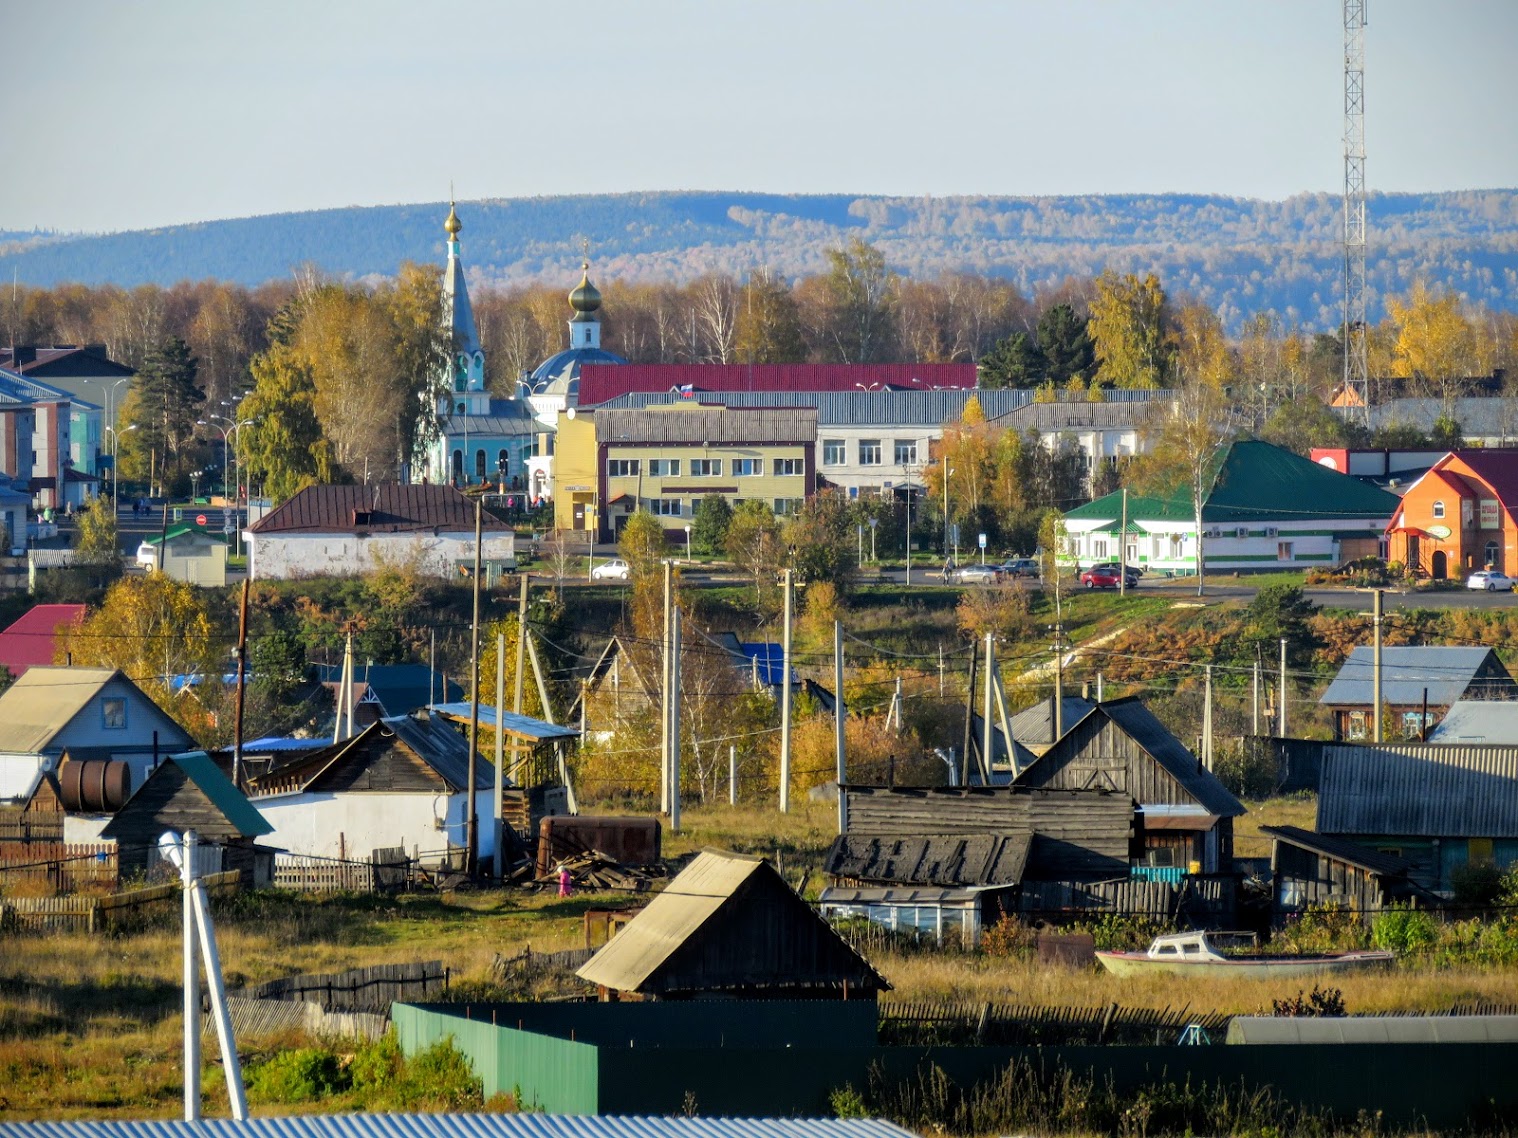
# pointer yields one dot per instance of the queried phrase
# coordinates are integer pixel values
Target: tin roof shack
(1438, 808)
(1413, 677)
(400, 783)
(1479, 721)
(1120, 746)
(187, 792)
(192, 554)
(729, 925)
(1310, 869)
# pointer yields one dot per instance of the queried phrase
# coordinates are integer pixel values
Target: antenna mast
(1356, 363)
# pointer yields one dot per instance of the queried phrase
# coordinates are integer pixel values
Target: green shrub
(303, 1075)
(437, 1079)
(1404, 931)
(846, 1102)
(1477, 884)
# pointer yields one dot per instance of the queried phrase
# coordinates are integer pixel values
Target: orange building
(1460, 516)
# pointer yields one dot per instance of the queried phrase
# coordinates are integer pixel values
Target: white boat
(1205, 954)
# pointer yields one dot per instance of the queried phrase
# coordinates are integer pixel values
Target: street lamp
(948, 472)
(115, 470)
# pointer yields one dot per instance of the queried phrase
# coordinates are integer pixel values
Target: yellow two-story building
(612, 462)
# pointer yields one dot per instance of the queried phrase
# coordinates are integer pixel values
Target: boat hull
(1258, 967)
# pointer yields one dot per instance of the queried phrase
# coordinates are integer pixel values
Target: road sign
(982, 541)
(200, 519)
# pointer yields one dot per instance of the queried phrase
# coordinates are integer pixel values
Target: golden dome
(585, 297)
(453, 224)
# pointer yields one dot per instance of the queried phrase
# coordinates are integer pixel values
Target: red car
(1100, 577)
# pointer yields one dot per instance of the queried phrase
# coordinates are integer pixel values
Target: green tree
(1065, 344)
(860, 294)
(769, 323)
(1282, 610)
(161, 408)
(709, 527)
(1127, 329)
(1013, 361)
(1298, 425)
(820, 541)
(421, 350)
(284, 449)
(753, 543)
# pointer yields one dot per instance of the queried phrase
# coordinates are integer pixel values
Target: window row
(481, 461)
(871, 452)
(703, 467)
(683, 508)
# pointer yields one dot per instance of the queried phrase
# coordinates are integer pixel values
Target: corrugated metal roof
(844, 408)
(1479, 721)
(43, 702)
(390, 507)
(442, 748)
(522, 726)
(708, 425)
(600, 382)
(1406, 670)
(464, 1126)
(1149, 733)
(1035, 725)
(1429, 792)
(947, 860)
(845, 895)
(32, 638)
(202, 770)
(400, 688)
(1351, 853)
(1069, 415)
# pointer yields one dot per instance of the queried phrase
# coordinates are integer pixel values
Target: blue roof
(276, 743)
(532, 1125)
(524, 726)
(569, 362)
(1446, 672)
(771, 659)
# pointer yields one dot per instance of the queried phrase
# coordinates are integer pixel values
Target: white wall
(281, 556)
(355, 823)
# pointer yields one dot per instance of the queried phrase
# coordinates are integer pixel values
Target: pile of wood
(594, 870)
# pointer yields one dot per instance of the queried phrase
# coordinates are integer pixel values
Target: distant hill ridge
(1240, 255)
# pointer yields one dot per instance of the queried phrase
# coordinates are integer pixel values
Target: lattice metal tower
(1356, 362)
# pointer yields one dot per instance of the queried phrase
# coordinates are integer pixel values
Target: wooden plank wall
(359, 989)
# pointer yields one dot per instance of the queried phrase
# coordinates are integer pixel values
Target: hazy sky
(120, 115)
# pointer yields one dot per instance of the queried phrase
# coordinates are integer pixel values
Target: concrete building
(1103, 433)
(62, 425)
(87, 372)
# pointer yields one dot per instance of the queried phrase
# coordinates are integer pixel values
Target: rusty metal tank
(94, 786)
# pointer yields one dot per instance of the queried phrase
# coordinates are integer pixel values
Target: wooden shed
(186, 792)
(729, 926)
(1316, 869)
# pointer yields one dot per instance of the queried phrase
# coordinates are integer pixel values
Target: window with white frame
(664, 467)
(1438, 509)
(869, 452)
(785, 507)
(747, 467)
(1284, 551)
(113, 713)
(667, 507)
(621, 468)
(706, 467)
(833, 452)
(906, 452)
(1355, 728)
(1099, 548)
(787, 466)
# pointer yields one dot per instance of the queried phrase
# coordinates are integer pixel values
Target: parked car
(1134, 572)
(1021, 567)
(147, 555)
(1490, 580)
(614, 570)
(1100, 577)
(977, 575)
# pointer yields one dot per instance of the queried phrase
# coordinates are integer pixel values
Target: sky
(144, 114)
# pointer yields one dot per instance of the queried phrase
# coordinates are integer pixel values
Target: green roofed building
(1267, 508)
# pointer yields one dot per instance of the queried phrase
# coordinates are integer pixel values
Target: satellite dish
(570, 413)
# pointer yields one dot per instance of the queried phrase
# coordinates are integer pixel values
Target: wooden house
(1437, 808)
(729, 926)
(187, 792)
(1419, 683)
(1120, 746)
(1315, 870)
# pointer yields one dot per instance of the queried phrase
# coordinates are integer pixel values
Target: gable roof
(708, 887)
(1479, 721)
(1497, 468)
(1437, 792)
(521, 726)
(38, 706)
(399, 688)
(675, 425)
(180, 530)
(1256, 482)
(33, 637)
(196, 768)
(950, 860)
(1033, 726)
(389, 507)
(63, 361)
(1350, 853)
(432, 741)
(1406, 670)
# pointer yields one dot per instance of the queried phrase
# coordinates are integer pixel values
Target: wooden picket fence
(933, 1023)
(96, 914)
(389, 869)
(370, 989)
(59, 867)
(254, 1018)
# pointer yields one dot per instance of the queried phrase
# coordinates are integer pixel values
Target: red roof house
(1460, 516)
(34, 639)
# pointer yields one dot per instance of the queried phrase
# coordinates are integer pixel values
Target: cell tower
(1356, 363)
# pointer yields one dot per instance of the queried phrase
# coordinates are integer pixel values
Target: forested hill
(1237, 254)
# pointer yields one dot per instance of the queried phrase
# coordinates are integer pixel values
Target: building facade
(62, 425)
(1459, 517)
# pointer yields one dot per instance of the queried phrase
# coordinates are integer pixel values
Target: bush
(1007, 937)
(1404, 931)
(1319, 1002)
(303, 1075)
(1476, 884)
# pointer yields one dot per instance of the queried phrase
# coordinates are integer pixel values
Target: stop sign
(200, 519)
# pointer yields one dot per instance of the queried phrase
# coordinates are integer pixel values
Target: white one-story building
(330, 531)
(1266, 508)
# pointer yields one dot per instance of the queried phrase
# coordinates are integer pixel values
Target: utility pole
(516, 693)
(666, 685)
(785, 702)
(191, 986)
(1376, 667)
(1098, 687)
(1122, 549)
(969, 733)
(1255, 722)
(498, 789)
(1207, 719)
(732, 774)
(1281, 713)
(909, 533)
(1059, 681)
(242, 684)
(472, 829)
(838, 714)
(674, 727)
(940, 672)
(986, 753)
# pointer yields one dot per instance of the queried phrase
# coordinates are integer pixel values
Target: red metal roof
(600, 382)
(1497, 468)
(34, 638)
(391, 507)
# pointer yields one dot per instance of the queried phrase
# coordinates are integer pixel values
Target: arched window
(502, 461)
(479, 463)
(458, 464)
(1438, 509)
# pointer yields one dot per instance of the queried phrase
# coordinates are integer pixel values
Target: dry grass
(1297, 810)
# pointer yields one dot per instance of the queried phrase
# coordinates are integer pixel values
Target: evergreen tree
(163, 405)
(1014, 361)
(709, 527)
(1065, 344)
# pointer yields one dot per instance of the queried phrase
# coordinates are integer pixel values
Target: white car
(147, 555)
(1490, 580)
(614, 570)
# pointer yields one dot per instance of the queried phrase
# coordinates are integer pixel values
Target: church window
(479, 463)
(502, 460)
(458, 464)
(587, 335)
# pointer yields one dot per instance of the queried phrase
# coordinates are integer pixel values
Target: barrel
(94, 786)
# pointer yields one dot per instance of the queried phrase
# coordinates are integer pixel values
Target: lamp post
(948, 472)
(115, 471)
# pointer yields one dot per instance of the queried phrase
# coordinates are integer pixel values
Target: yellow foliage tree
(1127, 329)
(1434, 342)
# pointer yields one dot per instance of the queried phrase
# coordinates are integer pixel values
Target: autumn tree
(858, 301)
(963, 458)
(284, 450)
(1127, 329)
(1433, 345)
(769, 323)
(820, 540)
(152, 628)
(753, 543)
(644, 547)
